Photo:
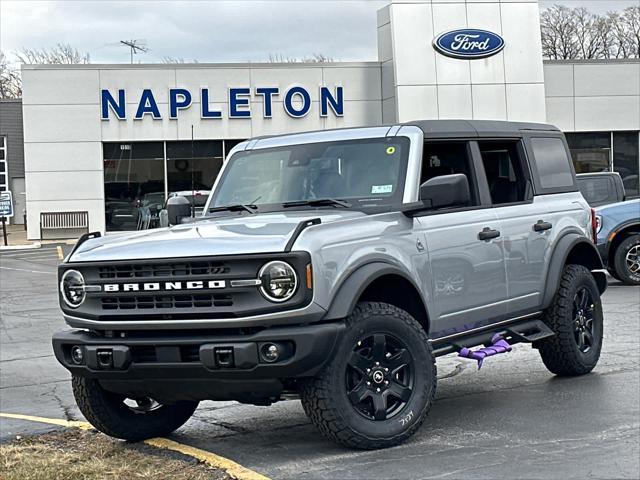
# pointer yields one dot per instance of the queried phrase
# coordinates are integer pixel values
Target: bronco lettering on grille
(157, 286)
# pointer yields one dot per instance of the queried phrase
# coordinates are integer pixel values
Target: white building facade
(109, 139)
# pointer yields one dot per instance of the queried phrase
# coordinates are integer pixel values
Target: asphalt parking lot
(510, 419)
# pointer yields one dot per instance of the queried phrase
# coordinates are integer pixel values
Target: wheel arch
(381, 282)
(621, 232)
(573, 249)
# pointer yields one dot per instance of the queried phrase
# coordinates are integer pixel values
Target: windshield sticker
(382, 189)
(391, 150)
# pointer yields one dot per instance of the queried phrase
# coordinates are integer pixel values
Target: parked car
(618, 229)
(197, 199)
(337, 266)
(601, 188)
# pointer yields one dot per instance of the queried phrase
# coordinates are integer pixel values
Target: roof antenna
(135, 46)
(193, 187)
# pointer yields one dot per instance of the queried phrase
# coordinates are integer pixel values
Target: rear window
(552, 162)
(597, 190)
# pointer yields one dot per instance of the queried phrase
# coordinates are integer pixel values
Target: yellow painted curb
(234, 469)
(52, 421)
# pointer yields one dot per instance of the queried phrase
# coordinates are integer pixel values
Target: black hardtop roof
(448, 128)
(478, 127)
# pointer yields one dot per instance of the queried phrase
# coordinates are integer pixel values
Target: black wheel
(131, 419)
(576, 317)
(626, 260)
(379, 385)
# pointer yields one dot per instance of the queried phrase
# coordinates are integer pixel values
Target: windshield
(366, 172)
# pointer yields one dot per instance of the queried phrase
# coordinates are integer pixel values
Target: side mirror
(445, 191)
(177, 209)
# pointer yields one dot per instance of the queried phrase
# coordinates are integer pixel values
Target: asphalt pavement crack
(66, 409)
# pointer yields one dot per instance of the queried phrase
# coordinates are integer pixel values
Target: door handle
(541, 226)
(488, 233)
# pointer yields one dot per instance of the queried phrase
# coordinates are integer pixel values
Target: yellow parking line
(232, 468)
(235, 470)
(52, 421)
(60, 253)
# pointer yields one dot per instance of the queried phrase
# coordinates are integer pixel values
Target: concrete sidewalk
(17, 239)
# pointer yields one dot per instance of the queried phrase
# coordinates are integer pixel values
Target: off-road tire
(560, 353)
(620, 260)
(324, 397)
(107, 413)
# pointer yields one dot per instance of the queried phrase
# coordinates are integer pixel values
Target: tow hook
(105, 358)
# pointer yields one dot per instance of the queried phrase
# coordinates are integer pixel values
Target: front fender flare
(356, 283)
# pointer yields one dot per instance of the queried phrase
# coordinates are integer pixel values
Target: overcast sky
(209, 31)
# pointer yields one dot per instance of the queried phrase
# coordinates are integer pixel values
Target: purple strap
(498, 345)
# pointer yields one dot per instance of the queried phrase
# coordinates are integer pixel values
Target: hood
(228, 235)
(630, 207)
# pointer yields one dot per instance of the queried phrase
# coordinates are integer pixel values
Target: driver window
(446, 158)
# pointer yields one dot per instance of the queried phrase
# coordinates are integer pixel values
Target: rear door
(524, 219)
(467, 267)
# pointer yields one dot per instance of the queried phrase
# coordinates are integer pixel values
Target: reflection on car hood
(228, 235)
(629, 208)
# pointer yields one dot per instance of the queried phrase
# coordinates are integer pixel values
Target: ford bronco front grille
(151, 270)
(166, 301)
(185, 288)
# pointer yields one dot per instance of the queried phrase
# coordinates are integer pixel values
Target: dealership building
(104, 140)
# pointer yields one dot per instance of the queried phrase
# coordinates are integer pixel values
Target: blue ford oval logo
(469, 43)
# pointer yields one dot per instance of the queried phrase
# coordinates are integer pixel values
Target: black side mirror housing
(177, 209)
(441, 192)
(446, 191)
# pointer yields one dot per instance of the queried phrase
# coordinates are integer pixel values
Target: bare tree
(558, 33)
(313, 58)
(177, 60)
(631, 21)
(577, 33)
(10, 84)
(589, 43)
(62, 53)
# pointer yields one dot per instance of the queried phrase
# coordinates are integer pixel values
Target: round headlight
(279, 281)
(72, 288)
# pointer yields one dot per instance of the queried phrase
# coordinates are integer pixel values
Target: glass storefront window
(626, 150)
(133, 184)
(590, 151)
(192, 167)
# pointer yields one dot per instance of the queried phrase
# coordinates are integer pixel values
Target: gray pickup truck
(336, 266)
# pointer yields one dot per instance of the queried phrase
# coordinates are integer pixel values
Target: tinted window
(625, 160)
(597, 190)
(446, 158)
(506, 175)
(552, 162)
(590, 151)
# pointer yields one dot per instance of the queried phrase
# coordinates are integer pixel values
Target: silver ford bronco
(336, 266)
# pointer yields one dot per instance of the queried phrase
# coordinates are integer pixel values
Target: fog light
(270, 352)
(77, 355)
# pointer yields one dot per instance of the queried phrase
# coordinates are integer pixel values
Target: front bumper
(148, 356)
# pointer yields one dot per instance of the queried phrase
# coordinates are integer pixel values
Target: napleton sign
(296, 102)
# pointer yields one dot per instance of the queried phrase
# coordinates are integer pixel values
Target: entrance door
(19, 200)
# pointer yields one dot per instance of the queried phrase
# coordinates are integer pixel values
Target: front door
(468, 278)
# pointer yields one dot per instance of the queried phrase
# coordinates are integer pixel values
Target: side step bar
(520, 331)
